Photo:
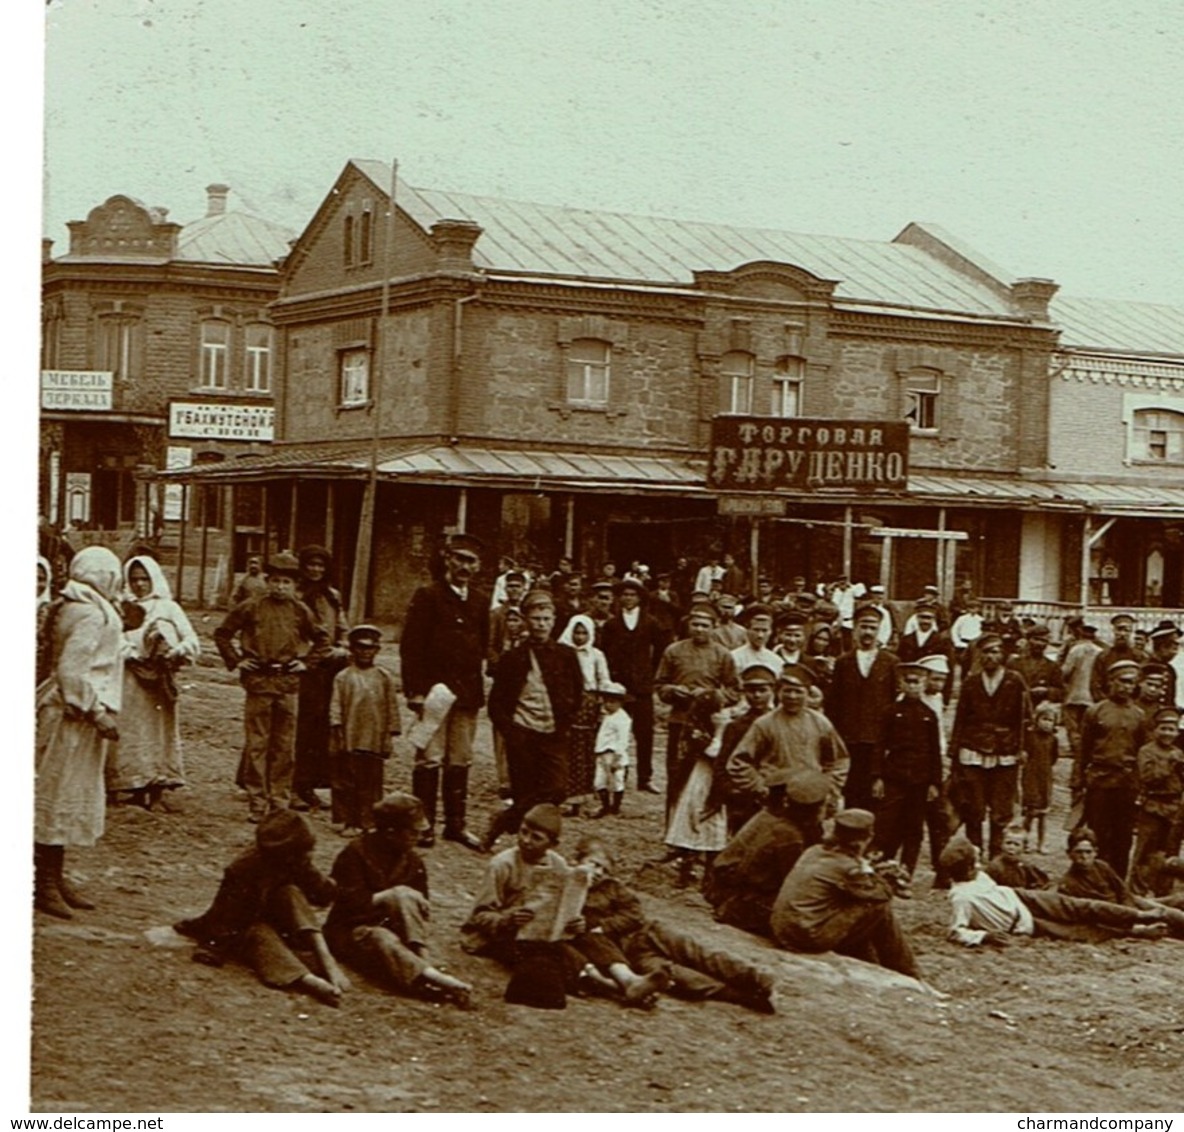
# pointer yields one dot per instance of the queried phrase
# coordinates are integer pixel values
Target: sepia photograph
(601, 556)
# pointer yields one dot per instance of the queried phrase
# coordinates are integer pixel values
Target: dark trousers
(269, 720)
(641, 711)
(270, 944)
(698, 971)
(864, 930)
(357, 786)
(1069, 917)
(676, 776)
(1110, 813)
(900, 824)
(1156, 837)
(988, 790)
(538, 772)
(857, 791)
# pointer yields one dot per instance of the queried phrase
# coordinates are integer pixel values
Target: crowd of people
(807, 763)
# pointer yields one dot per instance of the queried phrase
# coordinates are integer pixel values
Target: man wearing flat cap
(268, 640)
(794, 737)
(1122, 628)
(922, 636)
(445, 641)
(1078, 669)
(834, 900)
(1165, 647)
(633, 642)
(1159, 823)
(1039, 672)
(743, 881)
(379, 921)
(757, 621)
(859, 700)
(986, 741)
(1105, 775)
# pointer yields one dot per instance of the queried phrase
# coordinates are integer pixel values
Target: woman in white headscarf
(579, 634)
(77, 706)
(159, 639)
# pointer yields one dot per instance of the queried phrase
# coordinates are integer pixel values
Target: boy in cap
(1042, 675)
(1165, 647)
(758, 629)
(1041, 750)
(498, 910)
(1159, 821)
(1105, 774)
(612, 749)
(906, 778)
(262, 913)
(834, 900)
(363, 715)
(379, 921)
(1122, 626)
(445, 641)
(276, 634)
(728, 631)
(758, 683)
(743, 881)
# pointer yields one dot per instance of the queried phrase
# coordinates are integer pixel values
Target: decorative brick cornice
(1127, 373)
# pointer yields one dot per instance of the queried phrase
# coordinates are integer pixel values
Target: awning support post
(754, 551)
(462, 510)
(178, 590)
(847, 541)
(569, 526)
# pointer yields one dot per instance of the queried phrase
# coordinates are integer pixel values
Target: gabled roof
(233, 237)
(1121, 325)
(546, 239)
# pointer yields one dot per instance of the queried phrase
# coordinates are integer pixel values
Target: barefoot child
(262, 913)
(363, 715)
(612, 749)
(1040, 752)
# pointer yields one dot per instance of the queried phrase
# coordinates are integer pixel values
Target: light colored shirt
(865, 658)
(966, 630)
(613, 735)
(534, 705)
(746, 656)
(981, 906)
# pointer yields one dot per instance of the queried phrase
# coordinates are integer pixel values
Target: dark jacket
(633, 654)
(912, 745)
(909, 649)
(562, 678)
(859, 706)
(368, 865)
(444, 642)
(992, 725)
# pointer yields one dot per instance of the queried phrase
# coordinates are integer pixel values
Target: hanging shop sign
(76, 390)
(807, 454)
(215, 421)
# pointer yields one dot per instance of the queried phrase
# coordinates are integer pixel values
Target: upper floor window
(258, 358)
(215, 354)
(922, 388)
(119, 345)
(347, 238)
(1158, 434)
(787, 387)
(588, 371)
(366, 235)
(355, 377)
(737, 373)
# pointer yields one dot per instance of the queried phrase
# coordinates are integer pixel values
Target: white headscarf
(45, 594)
(592, 662)
(163, 617)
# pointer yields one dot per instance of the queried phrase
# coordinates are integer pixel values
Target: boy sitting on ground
(378, 922)
(988, 913)
(1009, 867)
(262, 913)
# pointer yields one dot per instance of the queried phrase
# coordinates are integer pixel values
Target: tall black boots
(425, 785)
(456, 793)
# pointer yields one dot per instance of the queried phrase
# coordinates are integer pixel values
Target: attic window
(366, 235)
(348, 242)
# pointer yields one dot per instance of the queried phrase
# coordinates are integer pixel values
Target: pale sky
(1045, 135)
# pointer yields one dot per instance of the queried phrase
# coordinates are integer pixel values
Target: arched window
(737, 378)
(588, 371)
(1158, 435)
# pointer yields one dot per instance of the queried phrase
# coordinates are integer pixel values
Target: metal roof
(479, 466)
(556, 240)
(233, 237)
(1116, 324)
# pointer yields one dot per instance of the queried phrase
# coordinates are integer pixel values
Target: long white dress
(86, 677)
(149, 749)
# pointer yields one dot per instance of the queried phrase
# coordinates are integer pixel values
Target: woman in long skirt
(581, 764)
(77, 707)
(147, 762)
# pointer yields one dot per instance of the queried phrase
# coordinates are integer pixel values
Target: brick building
(548, 378)
(157, 350)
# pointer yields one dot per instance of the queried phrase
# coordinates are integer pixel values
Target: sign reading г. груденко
(763, 453)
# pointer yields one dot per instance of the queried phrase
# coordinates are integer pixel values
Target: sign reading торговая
(766, 453)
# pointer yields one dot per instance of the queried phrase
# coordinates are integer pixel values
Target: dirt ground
(124, 1021)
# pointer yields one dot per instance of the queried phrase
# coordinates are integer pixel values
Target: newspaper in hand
(556, 896)
(436, 706)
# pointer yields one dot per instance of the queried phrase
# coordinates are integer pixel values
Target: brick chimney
(1032, 296)
(216, 199)
(454, 240)
(46, 249)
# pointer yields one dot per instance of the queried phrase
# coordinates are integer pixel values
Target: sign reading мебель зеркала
(76, 390)
(765, 453)
(213, 421)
